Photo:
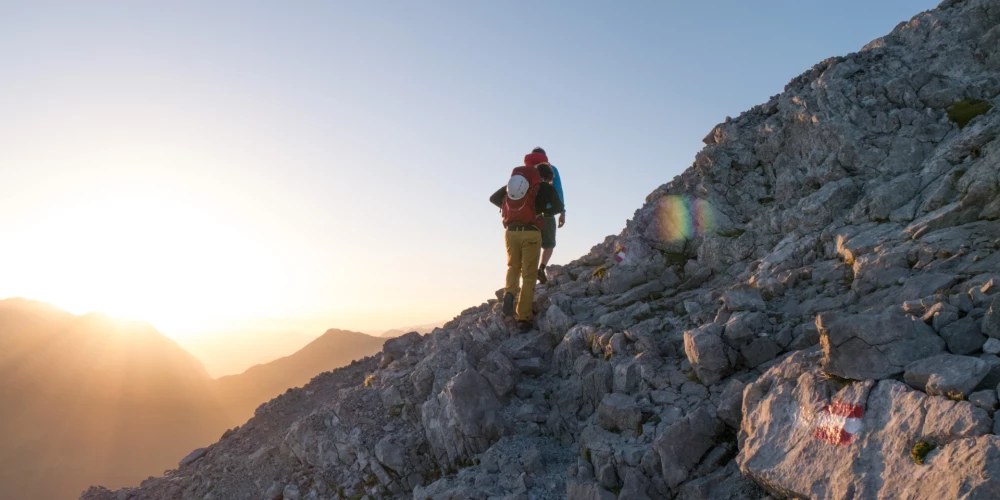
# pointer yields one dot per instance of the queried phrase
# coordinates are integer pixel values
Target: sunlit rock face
(711, 349)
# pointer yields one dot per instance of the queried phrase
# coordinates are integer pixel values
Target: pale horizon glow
(252, 166)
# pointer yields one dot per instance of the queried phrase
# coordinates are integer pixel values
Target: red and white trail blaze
(839, 423)
(620, 255)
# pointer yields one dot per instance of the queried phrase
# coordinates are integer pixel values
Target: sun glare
(144, 253)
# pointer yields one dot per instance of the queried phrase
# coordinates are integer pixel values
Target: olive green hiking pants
(523, 250)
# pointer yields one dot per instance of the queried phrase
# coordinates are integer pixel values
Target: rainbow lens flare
(683, 217)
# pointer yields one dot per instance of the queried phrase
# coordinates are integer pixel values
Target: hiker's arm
(557, 183)
(548, 197)
(497, 198)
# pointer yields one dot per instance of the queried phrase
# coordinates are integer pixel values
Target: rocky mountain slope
(241, 394)
(810, 310)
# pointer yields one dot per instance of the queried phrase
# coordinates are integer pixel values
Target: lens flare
(683, 217)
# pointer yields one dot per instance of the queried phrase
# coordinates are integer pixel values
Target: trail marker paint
(839, 423)
(620, 255)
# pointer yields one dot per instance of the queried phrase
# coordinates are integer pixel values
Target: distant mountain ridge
(242, 393)
(81, 394)
(93, 399)
(421, 329)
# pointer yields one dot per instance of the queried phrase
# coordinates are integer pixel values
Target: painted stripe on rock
(839, 423)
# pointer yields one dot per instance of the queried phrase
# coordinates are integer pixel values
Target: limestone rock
(874, 346)
(711, 358)
(743, 300)
(760, 351)
(991, 322)
(986, 399)
(555, 323)
(193, 457)
(963, 336)
(618, 412)
(992, 346)
(464, 419)
(682, 445)
(946, 374)
(795, 415)
(730, 408)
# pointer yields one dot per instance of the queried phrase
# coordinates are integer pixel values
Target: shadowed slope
(89, 397)
(242, 393)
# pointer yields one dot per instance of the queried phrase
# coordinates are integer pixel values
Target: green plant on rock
(731, 233)
(962, 112)
(397, 410)
(956, 396)
(432, 475)
(919, 451)
(692, 376)
(600, 271)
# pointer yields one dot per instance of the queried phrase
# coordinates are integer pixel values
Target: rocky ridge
(810, 310)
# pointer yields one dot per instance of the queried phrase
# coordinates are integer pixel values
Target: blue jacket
(557, 183)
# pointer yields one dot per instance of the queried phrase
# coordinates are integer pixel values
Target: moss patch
(919, 451)
(675, 258)
(397, 410)
(963, 112)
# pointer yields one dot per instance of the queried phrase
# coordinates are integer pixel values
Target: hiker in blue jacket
(549, 233)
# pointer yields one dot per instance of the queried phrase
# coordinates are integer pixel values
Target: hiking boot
(542, 279)
(508, 304)
(525, 326)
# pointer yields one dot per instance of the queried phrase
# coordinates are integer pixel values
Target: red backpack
(519, 205)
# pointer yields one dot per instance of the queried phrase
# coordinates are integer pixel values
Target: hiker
(549, 232)
(521, 203)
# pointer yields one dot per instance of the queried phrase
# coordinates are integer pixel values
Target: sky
(210, 166)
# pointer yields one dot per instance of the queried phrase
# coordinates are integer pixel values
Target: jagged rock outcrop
(807, 435)
(857, 210)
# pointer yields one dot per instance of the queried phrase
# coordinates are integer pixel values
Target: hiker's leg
(513, 241)
(546, 255)
(548, 239)
(531, 249)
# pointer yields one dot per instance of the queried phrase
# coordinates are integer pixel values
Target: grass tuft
(919, 451)
(600, 271)
(963, 112)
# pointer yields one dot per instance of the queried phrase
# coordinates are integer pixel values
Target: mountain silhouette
(90, 397)
(243, 393)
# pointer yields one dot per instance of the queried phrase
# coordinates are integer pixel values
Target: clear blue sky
(330, 162)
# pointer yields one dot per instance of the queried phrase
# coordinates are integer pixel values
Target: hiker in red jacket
(522, 202)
